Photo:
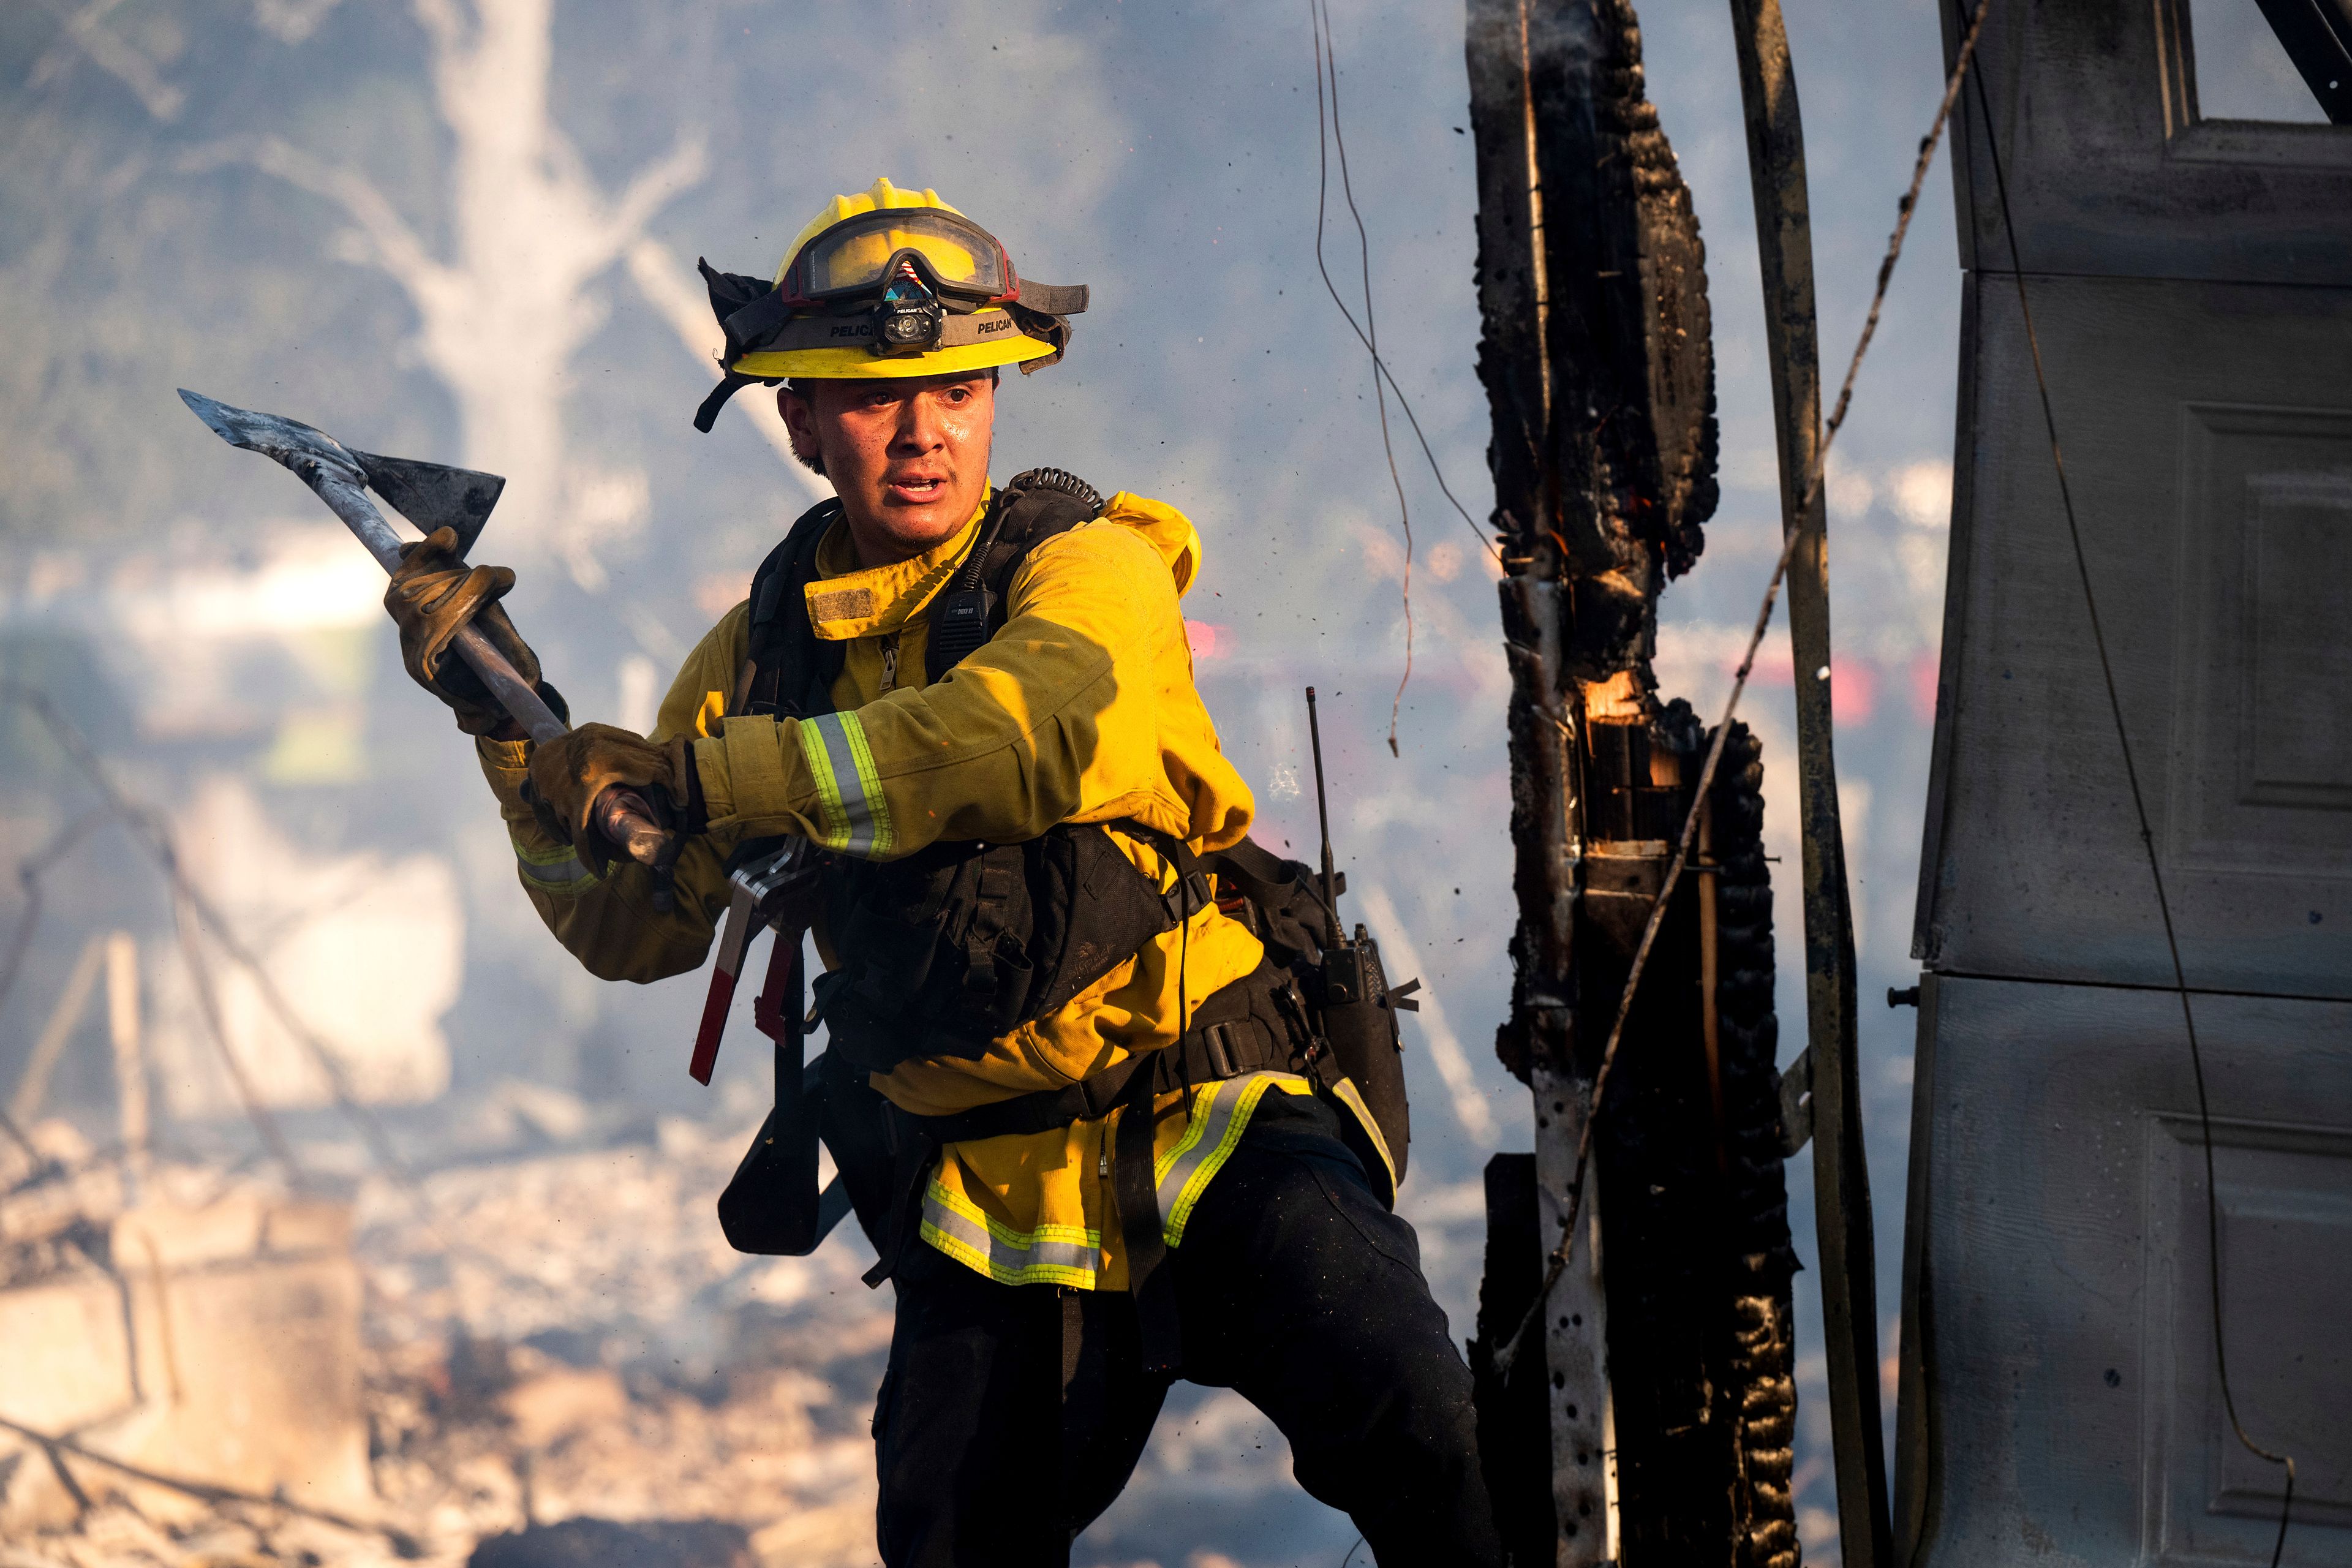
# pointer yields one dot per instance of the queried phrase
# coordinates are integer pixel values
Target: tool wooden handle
(358, 514)
(516, 695)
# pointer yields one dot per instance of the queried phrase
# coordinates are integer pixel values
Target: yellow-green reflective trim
(1354, 1099)
(1050, 1254)
(1219, 1115)
(834, 828)
(554, 871)
(848, 785)
(1067, 1255)
(870, 779)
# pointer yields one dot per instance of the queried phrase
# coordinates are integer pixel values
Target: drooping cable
(1560, 1254)
(200, 977)
(2146, 838)
(1436, 471)
(30, 872)
(25, 1145)
(1326, 61)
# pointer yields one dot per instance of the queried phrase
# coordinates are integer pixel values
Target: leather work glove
(432, 594)
(579, 778)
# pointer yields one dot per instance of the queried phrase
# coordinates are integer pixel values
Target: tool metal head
(430, 495)
(288, 441)
(433, 495)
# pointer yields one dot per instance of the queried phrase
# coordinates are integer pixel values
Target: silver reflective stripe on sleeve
(558, 871)
(1050, 1254)
(849, 790)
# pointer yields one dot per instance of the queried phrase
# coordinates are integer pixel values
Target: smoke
(466, 232)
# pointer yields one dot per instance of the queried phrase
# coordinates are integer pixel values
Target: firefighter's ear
(799, 410)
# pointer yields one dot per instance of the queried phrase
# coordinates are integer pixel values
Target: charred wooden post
(1554, 1405)
(1597, 367)
(1776, 161)
(1757, 1262)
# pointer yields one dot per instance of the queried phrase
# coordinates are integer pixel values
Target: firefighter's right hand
(432, 594)
(581, 780)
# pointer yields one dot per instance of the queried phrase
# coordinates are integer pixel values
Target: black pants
(1012, 1416)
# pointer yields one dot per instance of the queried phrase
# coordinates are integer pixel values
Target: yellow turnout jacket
(1082, 708)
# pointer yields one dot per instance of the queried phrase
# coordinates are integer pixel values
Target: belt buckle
(1220, 1057)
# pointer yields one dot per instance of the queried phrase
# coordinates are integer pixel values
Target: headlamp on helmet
(908, 319)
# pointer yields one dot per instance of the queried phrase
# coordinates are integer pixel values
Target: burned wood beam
(1599, 373)
(1517, 53)
(2317, 36)
(1597, 361)
(1776, 153)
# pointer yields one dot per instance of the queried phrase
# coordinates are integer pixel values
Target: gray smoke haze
(466, 229)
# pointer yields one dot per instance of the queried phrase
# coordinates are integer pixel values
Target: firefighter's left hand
(577, 778)
(432, 596)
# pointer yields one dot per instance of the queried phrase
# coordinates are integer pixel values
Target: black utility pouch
(961, 944)
(1359, 1022)
(771, 1204)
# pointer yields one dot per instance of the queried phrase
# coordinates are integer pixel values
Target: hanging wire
(1327, 60)
(1560, 1254)
(1368, 333)
(200, 974)
(37, 1161)
(1349, 316)
(2146, 838)
(30, 874)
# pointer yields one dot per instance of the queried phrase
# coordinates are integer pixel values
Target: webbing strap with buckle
(1230, 1037)
(1148, 1279)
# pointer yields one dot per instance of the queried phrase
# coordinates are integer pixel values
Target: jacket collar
(847, 601)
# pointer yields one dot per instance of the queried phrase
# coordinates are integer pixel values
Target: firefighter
(1134, 1158)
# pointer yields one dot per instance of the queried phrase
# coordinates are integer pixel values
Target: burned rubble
(231, 1371)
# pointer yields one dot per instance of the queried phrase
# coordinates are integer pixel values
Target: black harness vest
(945, 951)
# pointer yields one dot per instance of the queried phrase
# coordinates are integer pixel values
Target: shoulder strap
(792, 669)
(971, 609)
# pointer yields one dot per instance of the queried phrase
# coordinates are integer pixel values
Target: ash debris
(552, 1359)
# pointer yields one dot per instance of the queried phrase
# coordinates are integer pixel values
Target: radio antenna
(1323, 821)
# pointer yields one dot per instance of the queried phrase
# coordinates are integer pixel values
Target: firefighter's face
(908, 458)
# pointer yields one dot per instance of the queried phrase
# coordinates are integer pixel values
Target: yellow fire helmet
(886, 284)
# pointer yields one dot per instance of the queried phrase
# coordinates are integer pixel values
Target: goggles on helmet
(891, 292)
(861, 257)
